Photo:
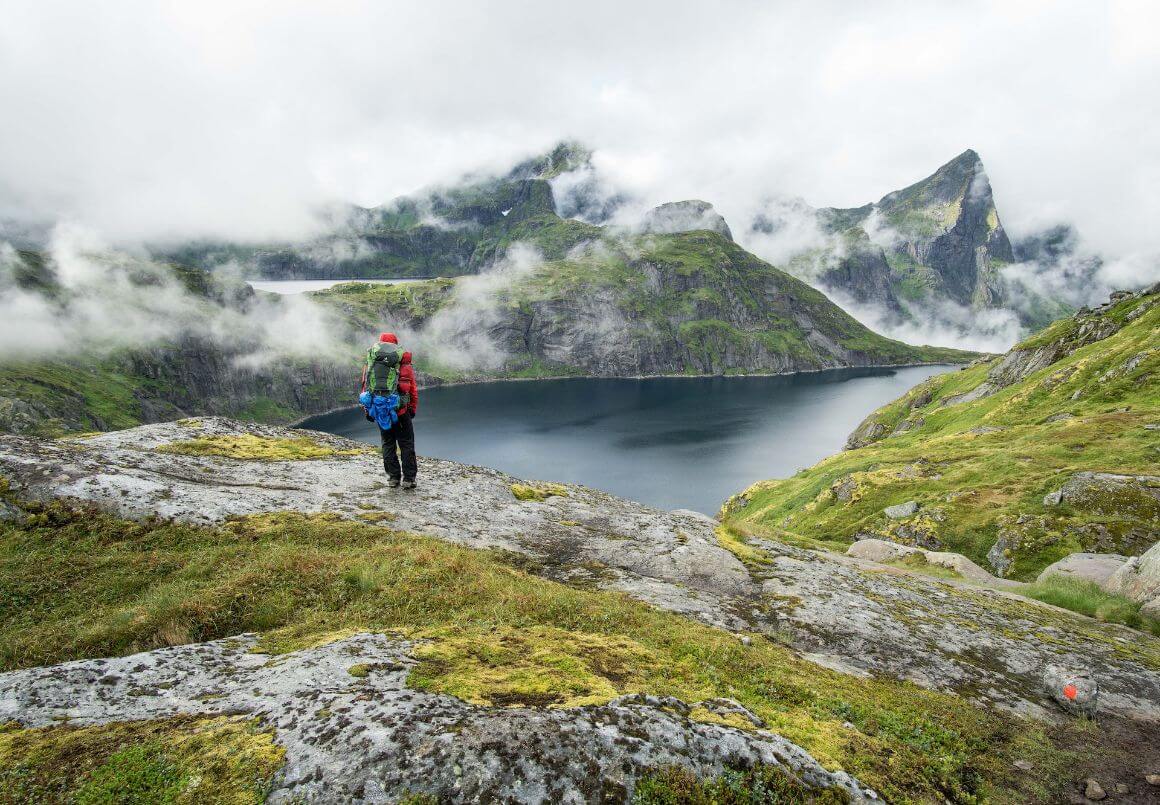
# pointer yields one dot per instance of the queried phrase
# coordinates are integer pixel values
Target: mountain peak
(685, 216)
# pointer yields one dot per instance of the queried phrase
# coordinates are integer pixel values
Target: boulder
(1138, 578)
(901, 510)
(1151, 609)
(10, 514)
(1113, 494)
(1093, 567)
(880, 550)
(1093, 790)
(1075, 691)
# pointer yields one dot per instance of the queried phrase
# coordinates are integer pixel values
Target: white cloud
(238, 118)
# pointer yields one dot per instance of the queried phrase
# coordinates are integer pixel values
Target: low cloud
(942, 323)
(462, 334)
(102, 300)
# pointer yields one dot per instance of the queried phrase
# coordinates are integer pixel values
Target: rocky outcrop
(834, 608)
(1093, 567)
(1139, 580)
(684, 216)
(371, 738)
(886, 552)
(1058, 342)
(191, 376)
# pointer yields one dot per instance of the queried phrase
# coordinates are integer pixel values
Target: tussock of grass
(249, 447)
(223, 760)
(538, 492)
(86, 584)
(1080, 595)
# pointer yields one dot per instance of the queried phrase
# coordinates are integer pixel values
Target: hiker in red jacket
(399, 439)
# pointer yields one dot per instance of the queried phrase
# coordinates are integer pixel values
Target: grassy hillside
(83, 584)
(979, 450)
(609, 303)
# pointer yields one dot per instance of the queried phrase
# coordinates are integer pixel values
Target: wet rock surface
(371, 739)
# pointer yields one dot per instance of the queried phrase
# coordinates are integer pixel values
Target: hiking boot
(409, 483)
(393, 483)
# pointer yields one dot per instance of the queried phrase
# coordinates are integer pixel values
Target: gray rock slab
(1093, 567)
(373, 739)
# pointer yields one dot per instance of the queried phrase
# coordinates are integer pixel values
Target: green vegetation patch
(533, 666)
(1080, 595)
(71, 397)
(538, 492)
(249, 447)
(980, 470)
(178, 760)
(85, 584)
(763, 785)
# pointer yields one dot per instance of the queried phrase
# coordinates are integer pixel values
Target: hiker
(390, 398)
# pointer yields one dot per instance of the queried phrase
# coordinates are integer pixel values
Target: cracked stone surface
(846, 613)
(373, 739)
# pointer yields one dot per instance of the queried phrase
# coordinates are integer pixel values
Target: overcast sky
(156, 119)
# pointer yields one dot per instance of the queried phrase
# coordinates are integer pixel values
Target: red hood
(406, 358)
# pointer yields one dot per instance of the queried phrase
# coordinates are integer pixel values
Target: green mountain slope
(608, 303)
(1016, 461)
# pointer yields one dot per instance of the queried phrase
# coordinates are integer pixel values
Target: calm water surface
(669, 442)
(305, 286)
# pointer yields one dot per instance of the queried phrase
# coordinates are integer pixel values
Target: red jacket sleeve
(407, 385)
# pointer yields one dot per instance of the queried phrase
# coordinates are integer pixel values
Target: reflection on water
(670, 442)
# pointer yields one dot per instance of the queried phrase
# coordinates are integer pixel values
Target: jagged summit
(939, 238)
(685, 216)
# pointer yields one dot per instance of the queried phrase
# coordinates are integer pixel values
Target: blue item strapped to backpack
(385, 410)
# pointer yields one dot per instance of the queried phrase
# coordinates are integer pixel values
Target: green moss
(178, 760)
(918, 563)
(531, 666)
(538, 492)
(249, 447)
(359, 671)
(762, 785)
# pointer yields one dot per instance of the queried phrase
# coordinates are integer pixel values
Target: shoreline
(298, 423)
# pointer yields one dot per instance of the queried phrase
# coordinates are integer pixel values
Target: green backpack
(383, 368)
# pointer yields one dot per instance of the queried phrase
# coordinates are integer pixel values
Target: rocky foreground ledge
(853, 615)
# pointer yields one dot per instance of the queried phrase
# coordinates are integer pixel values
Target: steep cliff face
(1015, 461)
(941, 236)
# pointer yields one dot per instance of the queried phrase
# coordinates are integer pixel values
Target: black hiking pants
(400, 441)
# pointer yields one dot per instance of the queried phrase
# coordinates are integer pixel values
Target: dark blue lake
(669, 442)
